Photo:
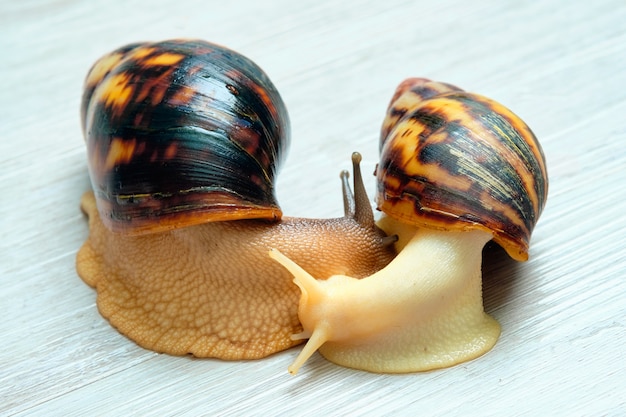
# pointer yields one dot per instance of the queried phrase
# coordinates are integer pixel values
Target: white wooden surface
(560, 64)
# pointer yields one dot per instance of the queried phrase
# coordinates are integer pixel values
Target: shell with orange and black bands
(460, 161)
(182, 132)
(407, 97)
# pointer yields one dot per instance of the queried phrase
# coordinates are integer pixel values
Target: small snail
(184, 139)
(456, 170)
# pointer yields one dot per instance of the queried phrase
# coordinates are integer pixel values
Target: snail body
(184, 140)
(456, 170)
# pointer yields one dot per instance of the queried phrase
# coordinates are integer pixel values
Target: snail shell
(166, 124)
(455, 160)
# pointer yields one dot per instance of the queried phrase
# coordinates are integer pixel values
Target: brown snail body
(184, 139)
(456, 170)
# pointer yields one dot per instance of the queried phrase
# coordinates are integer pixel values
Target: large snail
(456, 170)
(184, 139)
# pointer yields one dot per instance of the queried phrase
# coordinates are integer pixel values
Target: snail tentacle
(348, 197)
(363, 212)
(356, 205)
(389, 240)
(312, 292)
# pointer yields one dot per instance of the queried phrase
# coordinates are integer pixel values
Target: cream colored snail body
(184, 139)
(456, 170)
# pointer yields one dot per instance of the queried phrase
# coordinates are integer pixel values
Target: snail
(457, 169)
(184, 139)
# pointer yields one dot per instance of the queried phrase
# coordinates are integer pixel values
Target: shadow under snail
(184, 139)
(456, 170)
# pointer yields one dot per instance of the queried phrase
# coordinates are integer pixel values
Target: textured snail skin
(456, 170)
(211, 290)
(184, 139)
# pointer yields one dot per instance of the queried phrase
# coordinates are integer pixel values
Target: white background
(559, 64)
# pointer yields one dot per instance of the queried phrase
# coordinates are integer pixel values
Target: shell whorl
(182, 132)
(458, 161)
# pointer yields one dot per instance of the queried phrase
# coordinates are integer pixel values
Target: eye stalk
(456, 170)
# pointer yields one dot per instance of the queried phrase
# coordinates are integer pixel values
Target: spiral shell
(182, 132)
(458, 161)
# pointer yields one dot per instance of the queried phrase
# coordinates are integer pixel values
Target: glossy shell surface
(454, 160)
(182, 132)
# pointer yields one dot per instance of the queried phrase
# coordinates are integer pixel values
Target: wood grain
(559, 64)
